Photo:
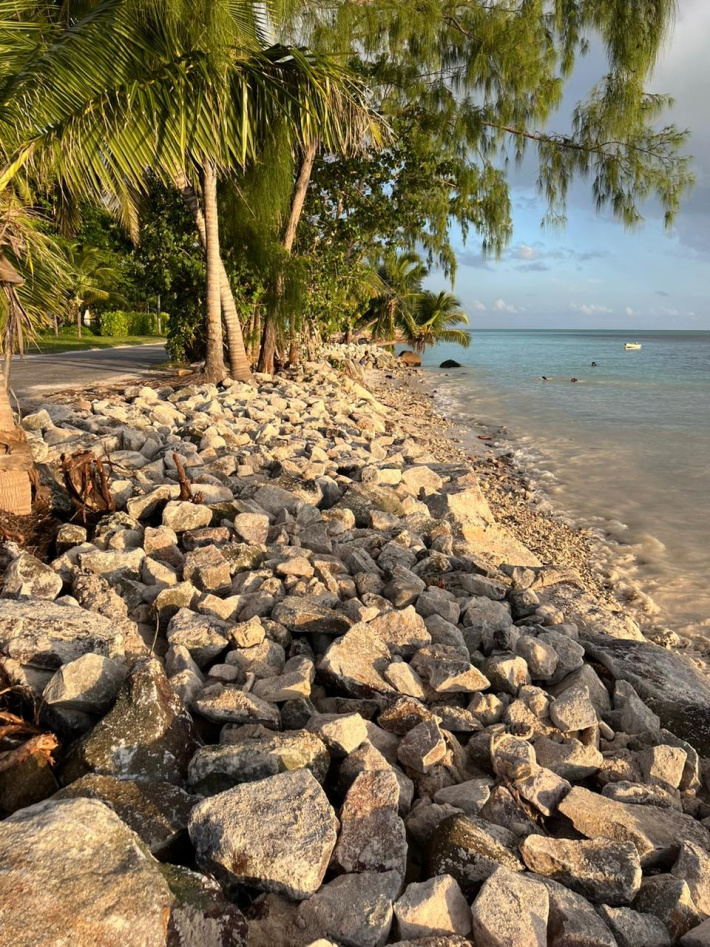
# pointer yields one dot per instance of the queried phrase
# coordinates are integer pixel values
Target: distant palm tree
(391, 312)
(436, 319)
(92, 279)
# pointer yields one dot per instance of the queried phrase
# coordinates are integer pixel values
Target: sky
(593, 273)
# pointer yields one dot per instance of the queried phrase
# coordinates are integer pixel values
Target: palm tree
(91, 278)
(391, 313)
(436, 319)
(167, 85)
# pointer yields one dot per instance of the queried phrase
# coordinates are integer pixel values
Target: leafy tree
(468, 86)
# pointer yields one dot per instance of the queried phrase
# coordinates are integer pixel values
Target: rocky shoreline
(318, 680)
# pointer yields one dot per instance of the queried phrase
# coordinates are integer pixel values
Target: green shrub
(119, 324)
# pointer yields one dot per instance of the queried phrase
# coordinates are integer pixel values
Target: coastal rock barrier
(302, 689)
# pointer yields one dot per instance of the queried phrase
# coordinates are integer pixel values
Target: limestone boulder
(669, 899)
(181, 515)
(286, 853)
(27, 577)
(44, 634)
(205, 637)
(147, 734)
(657, 833)
(470, 849)
(632, 929)
(356, 663)
(604, 871)
(422, 747)
(402, 630)
(432, 907)
(372, 835)
(573, 921)
(341, 733)
(666, 680)
(74, 873)
(355, 910)
(227, 703)
(156, 812)
(693, 866)
(249, 753)
(302, 615)
(510, 909)
(90, 684)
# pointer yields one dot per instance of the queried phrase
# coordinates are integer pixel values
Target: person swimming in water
(545, 378)
(594, 364)
(574, 379)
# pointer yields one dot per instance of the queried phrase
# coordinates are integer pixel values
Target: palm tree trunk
(266, 358)
(214, 361)
(238, 361)
(294, 354)
(255, 333)
(16, 464)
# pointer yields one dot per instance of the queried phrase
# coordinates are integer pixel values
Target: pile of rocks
(364, 354)
(330, 701)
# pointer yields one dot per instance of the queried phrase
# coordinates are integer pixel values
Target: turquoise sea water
(625, 451)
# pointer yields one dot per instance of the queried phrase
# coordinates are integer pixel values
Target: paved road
(38, 375)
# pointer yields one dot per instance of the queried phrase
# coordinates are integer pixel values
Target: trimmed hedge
(118, 324)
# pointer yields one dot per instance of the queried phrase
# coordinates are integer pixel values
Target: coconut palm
(91, 280)
(436, 319)
(170, 85)
(391, 313)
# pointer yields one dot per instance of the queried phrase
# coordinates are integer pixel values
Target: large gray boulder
(657, 833)
(276, 834)
(147, 734)
(157, 812)
(89, 684)
(356, 663)
(601, 870)
(74, 873)
(27, 577)
(372, 835)
(250, 753)
(667, 681)
(44, 634)
(510, 909)
(470, 849)
(354, 910)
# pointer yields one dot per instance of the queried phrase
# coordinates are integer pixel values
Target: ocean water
(624, 452)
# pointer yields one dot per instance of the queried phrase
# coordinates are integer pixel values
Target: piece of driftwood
(44, 745)
(185, 486)
(87, 483)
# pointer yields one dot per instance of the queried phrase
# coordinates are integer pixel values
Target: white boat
(632, 345)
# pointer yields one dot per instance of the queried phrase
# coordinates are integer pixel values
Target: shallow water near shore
(624, 452)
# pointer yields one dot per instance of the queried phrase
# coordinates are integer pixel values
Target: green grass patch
(68, 342)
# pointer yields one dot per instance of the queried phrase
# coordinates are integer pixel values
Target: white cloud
(524, 252)
(589, 309)
(478, 306)
(630, 311)
(502, 306)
